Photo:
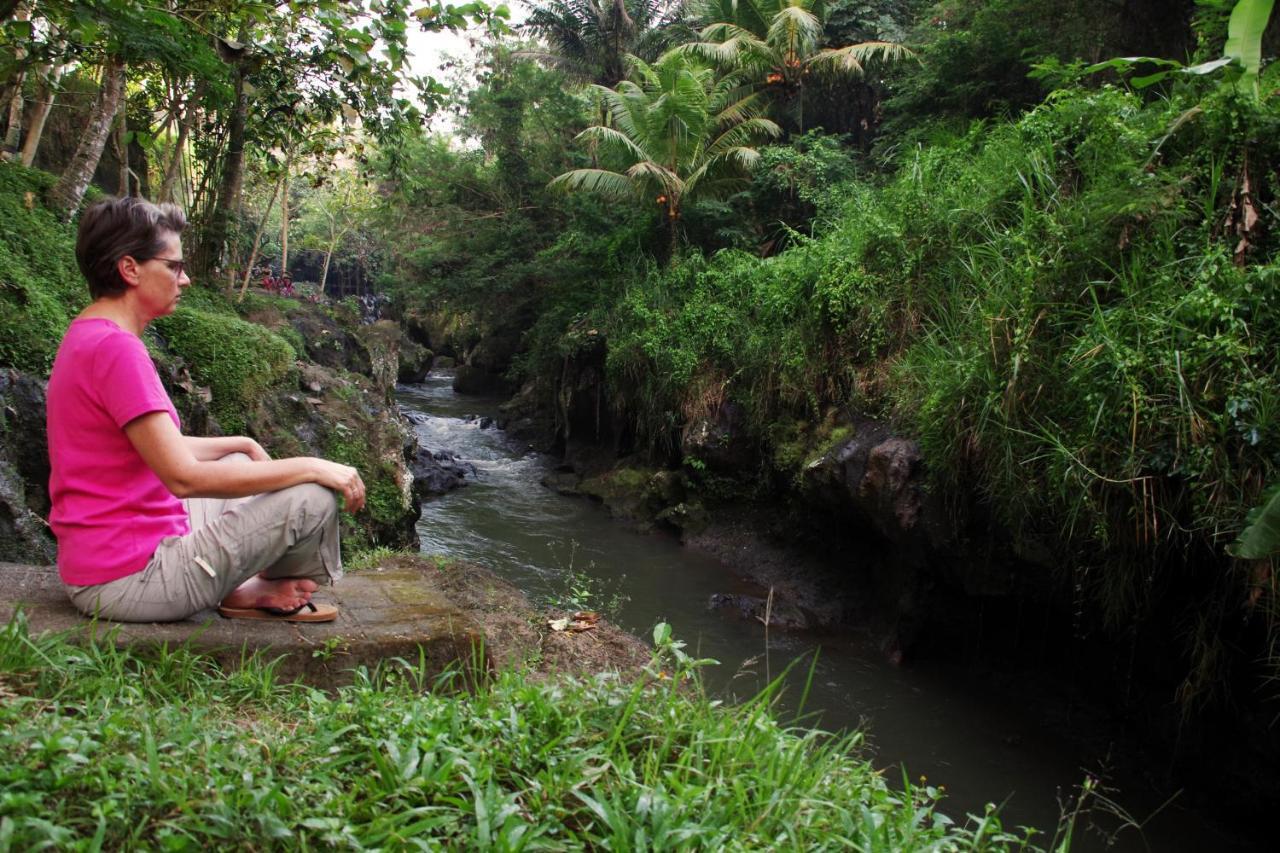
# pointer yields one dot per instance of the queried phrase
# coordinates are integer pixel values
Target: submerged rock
(437, 472)
(778, 613)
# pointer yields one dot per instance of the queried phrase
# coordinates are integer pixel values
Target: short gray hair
(115, 228)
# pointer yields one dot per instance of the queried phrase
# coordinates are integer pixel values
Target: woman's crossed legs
(269, 550)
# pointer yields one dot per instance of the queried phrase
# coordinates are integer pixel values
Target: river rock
(437, 472)
(635, 494)
(381, 342)
(780, 613)
(720, 440)
(564, 481)
(468, 379)
(327, 342)
(342, 416)
(444, 362)
(878, 479)
(415, 361)
(438, 331)
(529, 417)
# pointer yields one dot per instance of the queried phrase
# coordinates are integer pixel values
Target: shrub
(237, 360)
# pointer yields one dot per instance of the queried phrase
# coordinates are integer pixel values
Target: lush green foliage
(237, 360)
(40, 286)
(1054, 308)
(117, 749)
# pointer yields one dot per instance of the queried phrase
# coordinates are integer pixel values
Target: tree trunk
(324, 271)
(66, 194)
(13, 132)
(257, 241)
(171, 171)
(35, 127)
(122, 152)
(141, 170)
(232, 174)
(284, 219)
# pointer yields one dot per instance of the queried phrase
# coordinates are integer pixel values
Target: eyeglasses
(175, 266)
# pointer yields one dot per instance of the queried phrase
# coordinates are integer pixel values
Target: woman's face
(162, 279)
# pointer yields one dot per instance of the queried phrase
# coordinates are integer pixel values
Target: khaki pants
(292, 533)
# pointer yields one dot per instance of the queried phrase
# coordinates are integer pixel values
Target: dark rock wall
(24, 471)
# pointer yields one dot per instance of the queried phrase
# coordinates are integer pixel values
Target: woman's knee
(316, 500)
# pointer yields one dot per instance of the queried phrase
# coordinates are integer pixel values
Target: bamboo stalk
(257, 241)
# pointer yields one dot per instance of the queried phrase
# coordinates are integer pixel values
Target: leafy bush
(237, 360)
(1053, 306)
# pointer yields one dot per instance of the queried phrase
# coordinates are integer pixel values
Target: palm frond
(613, 137)
(852, 59)
(795, 32)
(742, 134)
(600, 181)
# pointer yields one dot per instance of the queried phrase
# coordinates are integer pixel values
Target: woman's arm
(168, 453)
(213, 448)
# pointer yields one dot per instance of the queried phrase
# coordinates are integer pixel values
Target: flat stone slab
(383, 613)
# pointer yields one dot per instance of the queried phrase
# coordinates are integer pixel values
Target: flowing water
(921, 721)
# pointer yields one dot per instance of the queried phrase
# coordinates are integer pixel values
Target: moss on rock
(239, 361)
(40, 286)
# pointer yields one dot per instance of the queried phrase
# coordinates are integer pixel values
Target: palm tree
(779, 43)
(679, 131)
(591, 39)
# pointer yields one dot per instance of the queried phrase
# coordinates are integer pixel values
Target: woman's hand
(344, 480)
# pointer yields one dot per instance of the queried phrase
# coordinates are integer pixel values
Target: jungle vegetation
(1055, 269)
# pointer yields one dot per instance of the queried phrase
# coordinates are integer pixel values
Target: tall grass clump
(113, 749)
(1075, 312)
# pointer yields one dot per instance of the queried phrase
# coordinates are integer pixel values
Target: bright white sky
(430, 51)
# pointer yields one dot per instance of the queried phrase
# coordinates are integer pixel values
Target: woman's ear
(129, 270)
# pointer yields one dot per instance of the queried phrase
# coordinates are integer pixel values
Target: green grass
(108, 748)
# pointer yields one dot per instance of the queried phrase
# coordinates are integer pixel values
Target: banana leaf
(1261, 535)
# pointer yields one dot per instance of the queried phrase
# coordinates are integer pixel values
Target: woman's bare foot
(284, 593)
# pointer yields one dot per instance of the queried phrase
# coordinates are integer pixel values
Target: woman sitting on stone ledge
(153, 525)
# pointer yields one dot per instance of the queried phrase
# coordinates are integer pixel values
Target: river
(972, 735)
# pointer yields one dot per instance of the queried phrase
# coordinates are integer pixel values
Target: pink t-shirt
(109, 509)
